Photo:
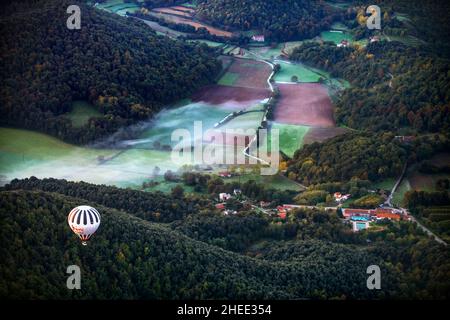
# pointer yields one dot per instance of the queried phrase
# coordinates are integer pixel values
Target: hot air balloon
(84, 221)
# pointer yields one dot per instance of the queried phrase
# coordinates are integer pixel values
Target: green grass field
(267, 52)
(335, 37)
(404, 186)
(386, 184)
(26, 153)
(276, 181)
(190, 4)
(81, 112)
(181, 117)
(22, 150)
(304, 73)
(228, 79)
(290, 45)
(118, 6)
(339, 26)
(251, 119)
(408, 40)
(291, 137)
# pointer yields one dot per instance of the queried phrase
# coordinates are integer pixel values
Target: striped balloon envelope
(84, 221)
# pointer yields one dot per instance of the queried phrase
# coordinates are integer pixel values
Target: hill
(117, 64)
(394, 86)
(132, 258)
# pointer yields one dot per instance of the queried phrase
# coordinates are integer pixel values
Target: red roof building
(220, 206)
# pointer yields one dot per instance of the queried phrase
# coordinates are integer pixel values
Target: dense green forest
(119, 65)
(276, 19)
(427, 20)
(359, 155)
(305, 257)
(393, 86)
(151, 206)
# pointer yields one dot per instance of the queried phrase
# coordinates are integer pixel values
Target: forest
(118, 65)
(278, 20)
(394, 87)
(352, 155)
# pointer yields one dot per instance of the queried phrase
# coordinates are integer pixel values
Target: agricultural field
(336, 36)
(304, 104)
(386, 184)
(247, 73)
(211, 44)
(228, 79)
(339, 4)
(250, 119)
(303, 73)
(268, 53)
(162, 30)
(233, 97)
(339, 26)
(437, 218)
(408, 40)
(289, 46)
(291, 137)
(119, 7)
(161, 127)
(185, 20)
(317, 134)
(81, 112)
(26, 153)
(172, 10)
(427, 182)
(399, 194)
(190, 4)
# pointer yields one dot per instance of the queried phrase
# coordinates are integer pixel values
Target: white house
(224, 196)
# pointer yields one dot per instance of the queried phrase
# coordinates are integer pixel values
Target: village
(358, 218)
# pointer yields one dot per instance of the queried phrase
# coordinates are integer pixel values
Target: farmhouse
(338, 197)
(224, 196)
(343, 44)
(374, 39)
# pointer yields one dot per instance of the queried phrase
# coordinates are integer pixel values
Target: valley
(154, 113)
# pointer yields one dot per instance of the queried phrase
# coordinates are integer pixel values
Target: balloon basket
(84, 243)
